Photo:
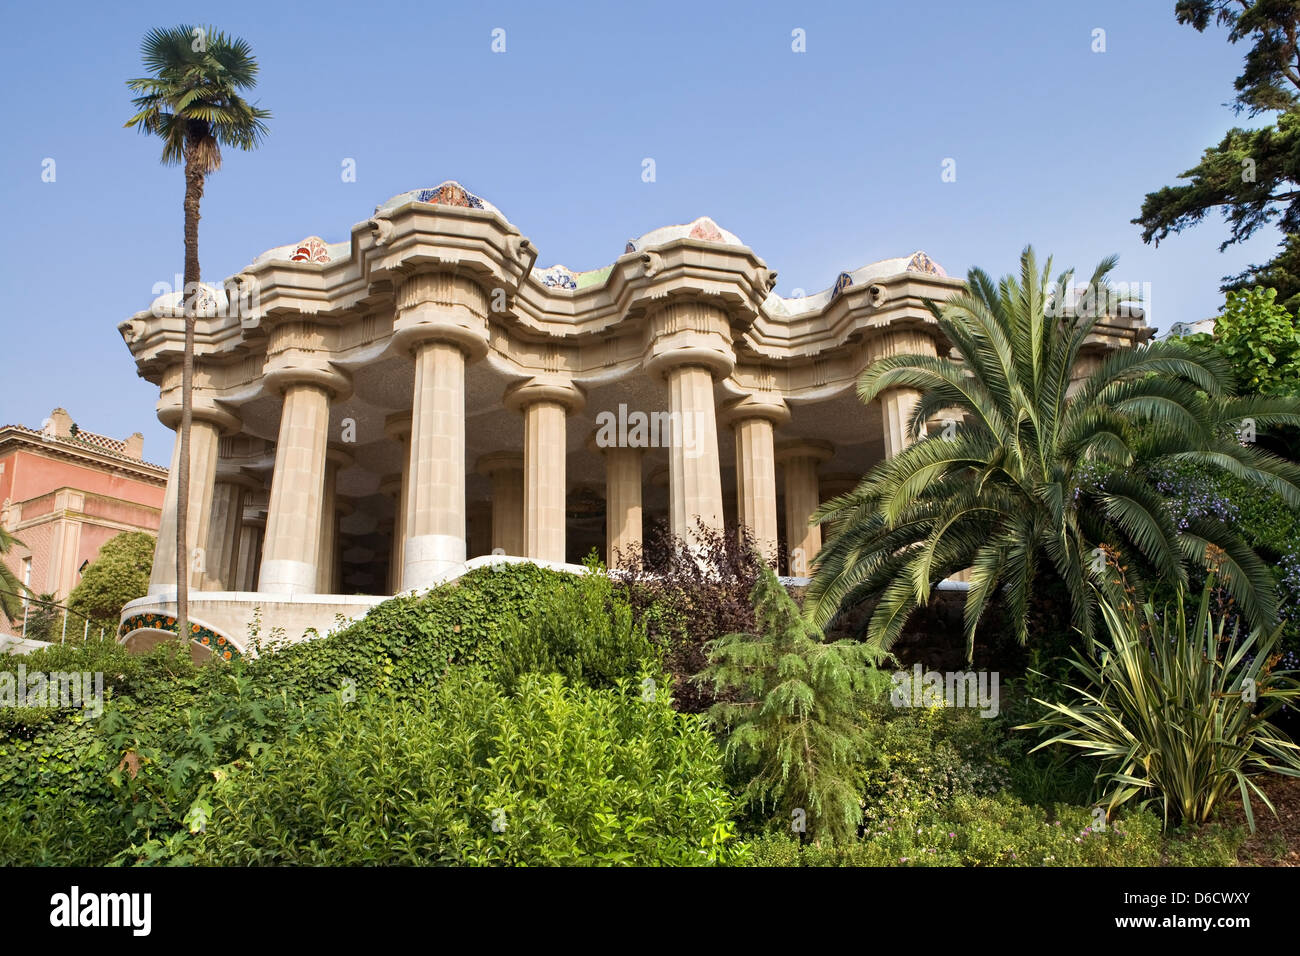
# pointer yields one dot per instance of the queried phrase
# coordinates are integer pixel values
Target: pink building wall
(64, 498)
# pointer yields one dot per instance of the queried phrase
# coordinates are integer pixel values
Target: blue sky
(820, 161)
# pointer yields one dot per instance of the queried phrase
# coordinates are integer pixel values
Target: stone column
(391, 486)
(695, 484)
(506, 471)
(544, 483)
(802, 499)
(753, 421)
(479, 534)
(327, 562)
(342, 507)
(205, 431)
(690, 345)
(325, 559)
(250, 552)
(434, 509)
(623, 520)
(293, 523)
(1085, 364)
(221, 558)
(297, 368)
(398, 428)
(545, 405)
(223, 535)
(896, 404)
(442, 322)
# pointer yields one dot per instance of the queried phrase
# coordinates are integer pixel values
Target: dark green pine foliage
(1251, 175)
(790, 709)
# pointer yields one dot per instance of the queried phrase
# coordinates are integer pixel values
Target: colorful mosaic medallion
(199, 634)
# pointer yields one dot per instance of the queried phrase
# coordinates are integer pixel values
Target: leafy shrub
(794, 728)
(1176, 712)
(44, 619)
(122, 673)
(1263, 518)
(1259, 337)
(61, 829)
(130, 785)
(138, 771)
(1002, 831)
(580, 629)
(553, 775)
(922, 759)
(690, 594)
(165, 756)
(58, 794)
(404, 647)
(119, 573)
(410, 642)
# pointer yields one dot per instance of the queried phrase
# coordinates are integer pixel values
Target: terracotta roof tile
(113, 447)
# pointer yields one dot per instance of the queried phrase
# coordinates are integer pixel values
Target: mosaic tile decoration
(558, 277)
(594, 277)
(450, 194)
(703, 229)
(707, 230)
(920, 262)
(203, 636)
(203, 300)
(311, 249)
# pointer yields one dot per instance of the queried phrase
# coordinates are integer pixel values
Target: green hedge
(580, 628)
(133, 774)
(407, 643)
(554, 774)
(129, 785)
(1002, 831)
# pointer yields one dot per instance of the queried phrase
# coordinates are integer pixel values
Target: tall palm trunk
(189, 299)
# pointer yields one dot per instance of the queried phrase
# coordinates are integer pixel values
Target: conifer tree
(790, 704)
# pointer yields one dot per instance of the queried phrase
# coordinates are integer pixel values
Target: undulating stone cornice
(344, 305)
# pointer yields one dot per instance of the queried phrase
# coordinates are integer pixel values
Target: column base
(287, 577)
(426, 556)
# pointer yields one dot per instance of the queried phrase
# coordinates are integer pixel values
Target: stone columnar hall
(369, 415)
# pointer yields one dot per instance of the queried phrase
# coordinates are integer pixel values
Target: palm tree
(11, 589)
(1038, 477)
(193, 102)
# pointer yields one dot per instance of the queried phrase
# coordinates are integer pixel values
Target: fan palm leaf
(1046, 470)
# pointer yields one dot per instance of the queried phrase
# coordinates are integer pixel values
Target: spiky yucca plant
(1176, 711)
